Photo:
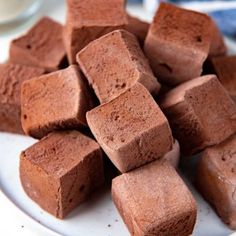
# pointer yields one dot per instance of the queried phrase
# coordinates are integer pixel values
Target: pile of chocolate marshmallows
(156, 101)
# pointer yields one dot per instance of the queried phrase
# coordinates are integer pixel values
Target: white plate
(98, 216)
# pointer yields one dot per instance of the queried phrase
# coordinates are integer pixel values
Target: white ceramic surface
(98, 216)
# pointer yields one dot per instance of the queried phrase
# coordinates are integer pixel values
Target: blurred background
(17, 16)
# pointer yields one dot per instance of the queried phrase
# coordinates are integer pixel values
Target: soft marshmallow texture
(41, 47)
(114, 63)
(216, 179)
(88, 19)
(131, 129)
(200, 112)
(11, 78)
(54, 101)
(153, 200)
(178, 43)
(61, 170)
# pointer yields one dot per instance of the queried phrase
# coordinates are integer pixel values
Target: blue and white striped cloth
(224, 12)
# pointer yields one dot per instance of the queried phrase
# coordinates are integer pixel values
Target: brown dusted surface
(196, 110)
(76, 39)
(86, 13)
(89, 20)
(131, 129)
(58, 100)
(42, 46)
(11, 78)
(153, 200)
(177, 25)
(216, 179)
(178, 43)
(39, 186)
(69, 165)
(114, 63)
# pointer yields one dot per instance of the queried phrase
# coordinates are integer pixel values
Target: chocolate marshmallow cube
(200, 112)
(61, 171)
(11, 78)
(224, 68)
(131, 129)
(41, 47)
(178, 43)
(88, 20)
(137, 27)
(153, 200)
(114, 63)
(216, 179)
(55, 101)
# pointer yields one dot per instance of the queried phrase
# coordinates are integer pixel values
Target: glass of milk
(17, 10)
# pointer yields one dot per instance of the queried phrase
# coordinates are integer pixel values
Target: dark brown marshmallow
(11, 78)
(41, 47)
(216, 179)
(114, 63)
(200, 112)
(178, 43)
(88, 20)
(153, 200)
(131, 129)
(61, 171)
(55, 101)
